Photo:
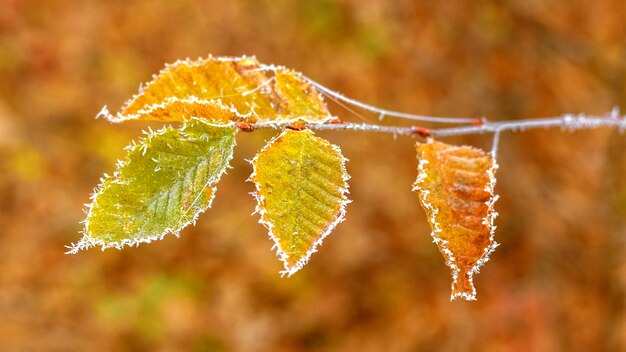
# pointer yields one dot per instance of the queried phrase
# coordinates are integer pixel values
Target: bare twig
(567, 122)
(382, 112)
(472, 125)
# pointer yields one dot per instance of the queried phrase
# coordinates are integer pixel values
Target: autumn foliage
(455, 186)
(557, 281)
(170, 177)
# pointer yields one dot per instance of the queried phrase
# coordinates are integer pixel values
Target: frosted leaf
(166, 181)
(301, 191)
(455, 187)
(225, 89)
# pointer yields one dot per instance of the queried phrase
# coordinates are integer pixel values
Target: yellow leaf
(455, 187)
(301, 192)
(297, 97)
(225, 89)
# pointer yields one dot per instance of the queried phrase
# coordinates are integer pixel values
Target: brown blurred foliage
(557, 282)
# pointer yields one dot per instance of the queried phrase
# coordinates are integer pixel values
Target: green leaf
(166, 181)
(301, 192)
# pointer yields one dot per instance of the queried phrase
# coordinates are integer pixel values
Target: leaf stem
(383, 112)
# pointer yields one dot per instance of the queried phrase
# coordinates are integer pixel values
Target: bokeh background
(557, 282)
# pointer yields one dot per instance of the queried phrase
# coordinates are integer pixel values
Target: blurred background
(556, 283)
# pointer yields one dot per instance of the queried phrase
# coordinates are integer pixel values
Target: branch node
(299, 125)
(422, 131)
(480, 122)
(245, 126)
(335, 121)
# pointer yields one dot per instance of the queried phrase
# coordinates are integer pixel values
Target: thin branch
(366, 127)
(476, 125)
(383, 112)
(567, 122)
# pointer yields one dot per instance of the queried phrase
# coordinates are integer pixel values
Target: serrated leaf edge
(259, 209)
(119, 117)
(191, 63)
(441, 243)
(88, 241)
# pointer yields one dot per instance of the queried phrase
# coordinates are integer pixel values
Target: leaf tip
(463, 285)
(440, 165)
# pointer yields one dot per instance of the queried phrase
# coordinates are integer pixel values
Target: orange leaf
(455, 187)
(225, 89)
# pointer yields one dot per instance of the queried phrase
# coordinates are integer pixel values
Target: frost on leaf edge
(282, 256)
(149, 109)
(191, 63)
(119, 117)
(87, 241)
(441, 243)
